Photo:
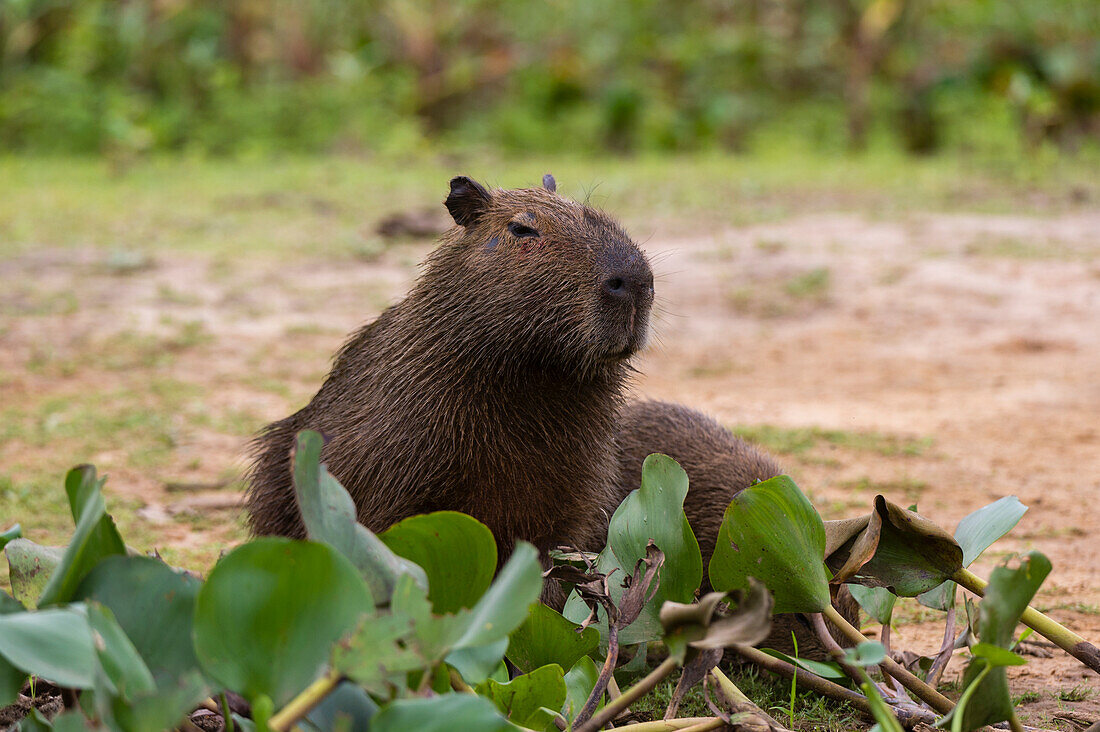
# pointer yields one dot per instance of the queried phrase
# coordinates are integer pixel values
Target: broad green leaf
(505, 605)
(457, 552)
(895, 548)
(70, 721)
(154, 604)
(268, 615)
(477, 663)
(433, 636)
(348, 705)
(870, 653)
(771, 531)
(445, 713)
(95, 537)
(163, 709)
(996, 655)
(501, 610)
(546, 636)
(579, 683)
(11, 678)
(15, 532)
(1007, 596)
(121, 662)
(329, 516)
(29, 568)
(55, 644)
(653, 512)
(526, 699)
(831, 671)
(378, 655)
(976, 533)
(878, 602)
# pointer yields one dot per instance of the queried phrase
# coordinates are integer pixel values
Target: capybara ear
(549, 183)
(467, 200)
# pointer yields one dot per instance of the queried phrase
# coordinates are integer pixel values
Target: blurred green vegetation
(382, 76)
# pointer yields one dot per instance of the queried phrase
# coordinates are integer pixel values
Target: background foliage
(240, 76)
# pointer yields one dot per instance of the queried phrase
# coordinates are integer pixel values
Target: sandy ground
(974, 337)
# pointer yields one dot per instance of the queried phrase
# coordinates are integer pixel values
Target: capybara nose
(616, 287)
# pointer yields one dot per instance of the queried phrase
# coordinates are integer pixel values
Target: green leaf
(348, 705)
(976, 533)
(501, 610)
(705, 625)
(653, 512)
(456, 551)
(504, 606)
(163, 709)
(996, 655)
(374, 657)
(15, 532)
(94, 539)
(444, 713)
(870, 653)
(1009, 591)
(877, 601)
(29, 568)
(55, 644)
(546, 636)
(11, 678)
(154, 604)
(121, 662)
(329, 516)
(825, 670)
(526, 699)
(771, 531)
(893, 548)
(579, 683)
(268, 615)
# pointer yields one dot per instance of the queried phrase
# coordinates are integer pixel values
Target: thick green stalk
(1052, 630)
(926, 693)
(301, 705)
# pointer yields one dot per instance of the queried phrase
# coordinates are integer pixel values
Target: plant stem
(672, 725)
(806, 679)
(946, 648)
(301, 705)
(227, 716)
(936, 700)
(603, 679)
(640, 689)
(741, 703)
(1052, 630)
(854, 672)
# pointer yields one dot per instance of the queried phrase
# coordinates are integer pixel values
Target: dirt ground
(940, 359)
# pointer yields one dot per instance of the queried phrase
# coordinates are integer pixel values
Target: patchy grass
(770, 693)
(1010, 247)
(801, 440)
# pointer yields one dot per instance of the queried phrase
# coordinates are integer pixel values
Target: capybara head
(545, 281)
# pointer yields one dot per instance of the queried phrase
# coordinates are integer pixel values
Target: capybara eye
(522, 232)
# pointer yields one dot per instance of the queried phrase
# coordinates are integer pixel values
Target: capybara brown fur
(494, 388)
(717, 463)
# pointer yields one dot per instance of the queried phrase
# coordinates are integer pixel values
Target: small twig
(640, 689)
(947, 648)
(602, 680)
